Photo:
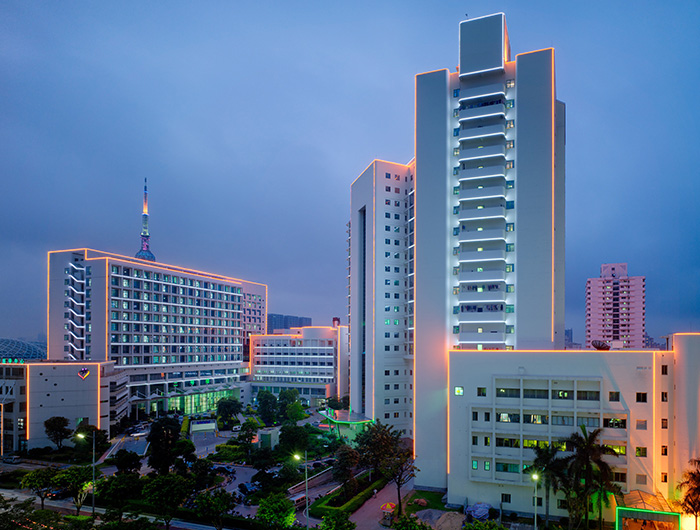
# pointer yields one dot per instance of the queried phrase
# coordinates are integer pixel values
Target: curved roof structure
(19, 349)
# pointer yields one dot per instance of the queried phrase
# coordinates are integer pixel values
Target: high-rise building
(616, 308)
(463, 247)
(181, 334)
(276, 321)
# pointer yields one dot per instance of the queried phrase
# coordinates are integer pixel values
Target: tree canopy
(267, 407)
(276, 512)
(56, 429)
(214, 505)
(165, 432)
(165, 493)
(40, 482)
(689, 487)
(76, 481)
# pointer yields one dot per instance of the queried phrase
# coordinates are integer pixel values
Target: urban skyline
(77, 149)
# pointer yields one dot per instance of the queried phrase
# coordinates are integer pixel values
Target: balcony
(483, 276)
(482, 131)
(481, 91)
(475, 317)
(488, 151)
(482, 112)
(484, 255)
(497, 170)
(482, 338)
(482, 235)
(482, 213)
(467, 297)
(482, 193)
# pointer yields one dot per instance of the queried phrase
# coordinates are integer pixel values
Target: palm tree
(587, 457)
(548, 465)
(690, 487)
(604, 487)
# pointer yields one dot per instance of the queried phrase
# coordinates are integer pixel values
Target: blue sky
(251, 119)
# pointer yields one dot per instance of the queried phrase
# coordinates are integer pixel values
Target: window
(475, 464)
(481, 391)
(614, 396)
(641, 397)
(475, 416)
(539, 501)
(459, 391)
(664, 450)
(510, 288)
(664, 477)
(641, 425)
(387, 188)
(455, 170)
(510, 103)
(455, 131)
(562, 394)
(487, 441)
(510, 124)
(510, 164)
(588, 395)
(664, 423)
(619, 449)
(510, 205)
(510, 308)
(640, 452)
(510, 144)
(510, 83)
(475, 440)
(487, 465)
(510, 247)
(641, 479)
(508, 392)
(619, 476)
(505, 498)
(664, 397)
(504, 467)
(510, 227)
(664, 369)
(510, 184)
(562, 505)
(455, 93)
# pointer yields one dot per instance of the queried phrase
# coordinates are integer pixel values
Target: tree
(267, 407)
(405, 522)
(587, 457)
(690, 489)
(286, 397)
(334, 403)
(262, 459)
(214, 505)
(76, 480)
(117, 492)
(228, 408)
(165, 494)
(248, 431)
(202, 473)
(276, 512)
(165, 432)
(399, 468)
(127, 462)
(56, 429)
(603, 488)
(15, 514)
(40, 482)
(547, 465)
(293, 439)
(346, 459)
(295, 412)
(337, 520)
(376, 443)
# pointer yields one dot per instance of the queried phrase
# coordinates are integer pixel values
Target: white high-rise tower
(482, 235)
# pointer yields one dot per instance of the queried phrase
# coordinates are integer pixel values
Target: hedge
(185, 514)
(320, 507)
(185, 427)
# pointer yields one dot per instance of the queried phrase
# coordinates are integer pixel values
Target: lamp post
(535, 476)
(82, 436)
(306, 487)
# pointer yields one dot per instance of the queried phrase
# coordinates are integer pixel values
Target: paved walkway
(368, 516)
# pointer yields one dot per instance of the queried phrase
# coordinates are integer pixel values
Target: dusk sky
(251, 119)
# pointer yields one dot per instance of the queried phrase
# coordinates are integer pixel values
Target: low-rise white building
(313, 360)
(502, 403)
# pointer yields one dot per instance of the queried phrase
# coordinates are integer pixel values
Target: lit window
(510, 247)
(481, 391)
(510, 164)
(664, 450)
(510, 103)
(510, 267)
(510, 124)
(664, 423)
(487, 465)
(664, 477)
(510, 144)
(510, 227)
(459, 391)
(510, 83)
(455, 93)
(455, 151)
(664, 396)
(640, 452)
(475, 464)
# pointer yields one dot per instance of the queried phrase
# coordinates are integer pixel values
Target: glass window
(614, 396)
(641, 397)
(481, 391)
(459, 391)
(640, 452)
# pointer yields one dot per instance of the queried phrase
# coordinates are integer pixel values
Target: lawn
(434, 499)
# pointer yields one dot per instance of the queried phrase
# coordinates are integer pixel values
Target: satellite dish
(600, 345)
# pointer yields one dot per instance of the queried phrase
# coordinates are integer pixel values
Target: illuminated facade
(307, 359)
(381, 294)
(616, 308)
(180, 334)
(34, 391)
(503, 403)
(481, 213)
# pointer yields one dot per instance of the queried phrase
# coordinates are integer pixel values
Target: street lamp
(306, 487)
(535, 476)
(82, 436)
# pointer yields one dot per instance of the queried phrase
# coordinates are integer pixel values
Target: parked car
(248, 487)
(12, 459)
(59, 493)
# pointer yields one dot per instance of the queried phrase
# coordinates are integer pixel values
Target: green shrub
(185, 427)
(320, 508)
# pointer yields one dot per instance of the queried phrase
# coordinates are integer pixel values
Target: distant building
(615, 308)
(569, 343)
(310, 359)
(276, 321)
(650, 342)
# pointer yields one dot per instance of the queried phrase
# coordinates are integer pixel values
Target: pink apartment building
(615, 307)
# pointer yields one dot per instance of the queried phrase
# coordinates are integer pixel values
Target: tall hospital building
(456, 299)
(180, 335)
(463, 246)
